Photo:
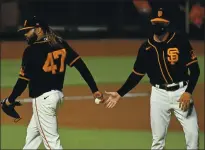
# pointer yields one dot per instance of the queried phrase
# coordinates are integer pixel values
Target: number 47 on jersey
(50, 66)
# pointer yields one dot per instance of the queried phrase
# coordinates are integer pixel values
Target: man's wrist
(119, 94)
(94, 91)
(188, 91)
(98, 94)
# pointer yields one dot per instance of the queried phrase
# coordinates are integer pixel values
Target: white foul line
(69, 98)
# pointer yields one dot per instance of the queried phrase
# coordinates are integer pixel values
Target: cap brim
(159, 20)
(25, 28)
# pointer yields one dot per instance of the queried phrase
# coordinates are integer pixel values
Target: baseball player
(166, 58)
(43, 70)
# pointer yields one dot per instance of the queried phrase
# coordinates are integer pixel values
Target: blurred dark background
(87, 19)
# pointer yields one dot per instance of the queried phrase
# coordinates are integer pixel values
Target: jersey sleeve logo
(173, 55)
(50, 66)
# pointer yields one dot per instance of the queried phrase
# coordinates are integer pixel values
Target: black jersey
(44, 66)
(166, 62)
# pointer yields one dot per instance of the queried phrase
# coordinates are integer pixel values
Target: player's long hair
(52, 37)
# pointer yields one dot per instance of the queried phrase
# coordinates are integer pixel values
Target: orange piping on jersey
(158, 60)
(191, 62)
(24, 78)
(167, 68)
(44, 136)
(137, 73)
(74, 61)
(171, 37)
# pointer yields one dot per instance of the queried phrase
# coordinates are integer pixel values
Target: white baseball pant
(43, 124)
(162, 103)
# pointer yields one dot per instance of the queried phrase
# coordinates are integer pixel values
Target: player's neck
(161, 38)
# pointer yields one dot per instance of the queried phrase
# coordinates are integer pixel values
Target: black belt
(170, 88)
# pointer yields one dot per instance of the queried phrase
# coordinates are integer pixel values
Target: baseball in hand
(97, 101)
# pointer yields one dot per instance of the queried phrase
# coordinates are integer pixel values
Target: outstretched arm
(73, 59)
(130, 83)
(133, 79)
(87, 76)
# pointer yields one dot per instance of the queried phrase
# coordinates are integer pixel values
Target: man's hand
(98, 95)
(114, 97)
(184, 101)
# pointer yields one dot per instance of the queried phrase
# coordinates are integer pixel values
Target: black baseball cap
(160, 15)
(33, 23)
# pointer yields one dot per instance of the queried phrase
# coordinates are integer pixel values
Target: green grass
(104, 70)
(13, 137)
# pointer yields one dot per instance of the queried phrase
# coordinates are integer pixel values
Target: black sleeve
(24, 77)
(131, 82)
(193, 77)
(137, 74)
(139, 66)
(189, 54)
(85, 73)
(18, 89)
(191, 62)
(25, 66)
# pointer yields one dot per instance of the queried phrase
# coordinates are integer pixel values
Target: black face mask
(159, 29)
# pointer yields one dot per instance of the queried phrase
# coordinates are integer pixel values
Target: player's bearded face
(159, 28)
(31, 36)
